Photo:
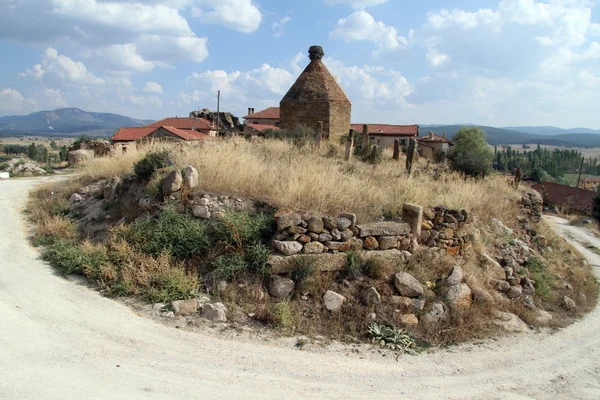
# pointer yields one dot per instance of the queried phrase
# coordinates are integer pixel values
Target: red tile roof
(186, 135)
(560, 195)
(389, 130)
(183, 123)
(262, 127)
(434, 138)
(269, 113)
(131, 134)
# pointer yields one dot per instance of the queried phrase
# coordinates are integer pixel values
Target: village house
(432, 145)
(590, 183)
(564, 196)
(187, 124)
(384, 135)
(316, 97)
(257, 122)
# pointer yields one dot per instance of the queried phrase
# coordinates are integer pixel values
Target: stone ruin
(229, 124)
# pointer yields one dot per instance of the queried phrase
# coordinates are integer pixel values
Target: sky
(488, 62)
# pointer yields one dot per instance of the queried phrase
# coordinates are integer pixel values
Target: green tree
(53, 145)
(471, 154)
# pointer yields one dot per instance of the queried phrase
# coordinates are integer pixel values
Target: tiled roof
(131, 134)
(262, 127)
(315, 85)
(184, 123)
(590, 179)
(391, 130)
(434, 138)
(269, 113)
(563, 195)
(186, 135)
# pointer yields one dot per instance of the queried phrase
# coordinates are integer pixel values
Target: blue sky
(502, 62)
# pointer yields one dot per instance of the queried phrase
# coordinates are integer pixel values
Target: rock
(569, 303)
(333, 301)
(145, 204)
(429, 214)
(75, 199)
(287, 220)
(313, 248)
(459, 296)
(325, 262)
(297, 229)
(455, 277)
(201, 212)
(528, 285)
(542, 317)
(330, 223)
(315, 225)
(191, 177)
(304, 239)
(499, 228)
(370, 297)
(158, 306)
(343, 224)
(281, 288)
(436, 314)
(80, 156)
(407, 285)
(185, 307)
(288, 248)
(479, 294)
(216, 312)
(528, 302)
(492, 267)
(325, 237)
(404, 304)
(336, 234)
(168, 314)
(172, 182)
(384, 228)
(371, 243)
(509, 322)
(514, 292)
(110, 189)
(408, 320)
(313, 236)
(418, 304)
(413, 214)
(502, 286)
(388, 242)
(350, 217)
(205, 202)
(347, 235)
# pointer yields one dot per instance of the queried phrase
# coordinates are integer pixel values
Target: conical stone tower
(315, 97)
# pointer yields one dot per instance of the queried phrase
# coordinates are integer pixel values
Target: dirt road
(59, 340)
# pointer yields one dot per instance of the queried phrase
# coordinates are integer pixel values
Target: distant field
(593, 152)
(572, 178)
(37, 140)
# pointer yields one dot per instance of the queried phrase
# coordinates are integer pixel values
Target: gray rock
(413, 214)
(350, 217)
(455, 277)
(502, 286)
(315, 225)
(569, 303)
(347, 235)
(388, 242)
(370, 297)
(172, 182)
(204, 201)
(288, 220)
(288, 248)
(75, 199)
(333, 301)
(110, 189)
(542, 317)
(436, 314)
(343, 224)
(325, 237)
(407, 285)
(330, 222)
(191, 177)
(216, 312)
(528, 285)
(509, 322)
(460, 296)
(201, 212)
(313, 248)
(514, 292)
(185, 307)
(418, 304)
(384, 228)
(145, 204)
(336, 234)
(492, 267)
(281, 288)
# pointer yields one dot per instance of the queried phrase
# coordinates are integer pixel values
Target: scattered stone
(216, 312)
(370, 297)
(315, 225)
(288, 248)
(185, 307)
(371, 243)
(514, 292)
(542, 317)
(455, 277)
(313, 248)
(569, 303)
(343, 224)
(460, 296)
(333, 301)
(384, 228)
(350, 217)
(172, 182)
(75, 199)
(509, 322)
(191, 177)
(407, 285)
(404, 304)
(408, 320)
(281, 288)
(201, 212)
(436, 314)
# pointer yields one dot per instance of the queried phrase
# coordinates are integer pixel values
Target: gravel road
(60, 340)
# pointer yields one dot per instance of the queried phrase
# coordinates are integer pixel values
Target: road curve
(60, 340)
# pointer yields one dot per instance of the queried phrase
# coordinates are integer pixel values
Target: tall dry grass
(322, 181)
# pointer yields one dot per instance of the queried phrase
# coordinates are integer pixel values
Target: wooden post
(365, 140)
(350, 145)
(396, 149)
(319, 135)
(578, 181)
(411, 155)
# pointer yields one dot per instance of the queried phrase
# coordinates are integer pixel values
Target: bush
(303, 273)
(171, 233)
(542, 277)
(257, 258)
(153, 161)
(374, 269)
(281, 314)
(391, 337)
(353, 267)
(69, 257)
(4, 166)
(471, 154)
(229, 266)
(241, 229)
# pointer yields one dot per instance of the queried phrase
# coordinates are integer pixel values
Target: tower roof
(315, 84)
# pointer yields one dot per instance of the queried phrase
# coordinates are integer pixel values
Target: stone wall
(339, 120)
(297, 115)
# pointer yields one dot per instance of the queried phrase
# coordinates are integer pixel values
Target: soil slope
(60, 340)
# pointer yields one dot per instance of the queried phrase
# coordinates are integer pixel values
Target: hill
(66, 121)
(550, 130)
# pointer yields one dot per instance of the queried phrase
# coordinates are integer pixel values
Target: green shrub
(353, 267)
(303, 272)
(229, 266)
(391, 337)
(69, 258)
(48, 168)
(542, 277)
(5, 158)
(374, 269)
(281, 315)
(171, 284)
(241, 229)
(171, 233)
(4, 166)
(153, 161)
(257, 258)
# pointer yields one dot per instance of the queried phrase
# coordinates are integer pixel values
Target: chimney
(249, 111)
(430, 135)
(444, 135)
(252, 110)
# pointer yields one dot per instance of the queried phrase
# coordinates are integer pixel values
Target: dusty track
(59, 340)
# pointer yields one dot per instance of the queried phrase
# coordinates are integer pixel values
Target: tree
(471, 154)
(53, 145)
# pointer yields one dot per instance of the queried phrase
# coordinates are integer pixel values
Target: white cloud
(142, 100)
(11, 101)
(60, 69)
(356, 4)
(241, 15)
(153, 87)
(279, 25)
(437, 59)
(124, 57)
(360, 25)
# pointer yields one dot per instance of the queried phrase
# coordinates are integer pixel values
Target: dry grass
(322, 182)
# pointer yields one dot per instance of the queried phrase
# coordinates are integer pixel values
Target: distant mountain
(550, 130)
(66, 121)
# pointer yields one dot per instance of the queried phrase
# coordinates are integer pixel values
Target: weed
(153, 161)
(241, 229)
(229, 266)
(391, 337)
(354, 264)
(257, 258)
(374, 269)
(4, 166)
(303, 273)
(281, 315)
(542, 277)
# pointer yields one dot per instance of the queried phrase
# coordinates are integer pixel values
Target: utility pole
(578, 180)
(218, 110)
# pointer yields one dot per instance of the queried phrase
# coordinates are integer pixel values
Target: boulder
(408, 320)
(493, 269)
(110, 189)
(343, 224)
(281, 288)
(370, 297)
(288, 248)
(185, 307)
(201, 212)
(437, 313)
(384, 228)
(413, 214)
(330, 223)
(455, 277)
(313, 248)
(407, 285)
(542, 317)
(514, 292)
(315, 225)
(333, 301)
(325, 237)
(403, 304)
(191, 177)
(569, 303)
(286, 220)
(479, 294)
(509, 322)
(350, 217)
(172, 182)
(80, 156)
(216, 312)
(75, 199)
(388, 242)
(459, 296)
(371, 243)
(145, 204)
